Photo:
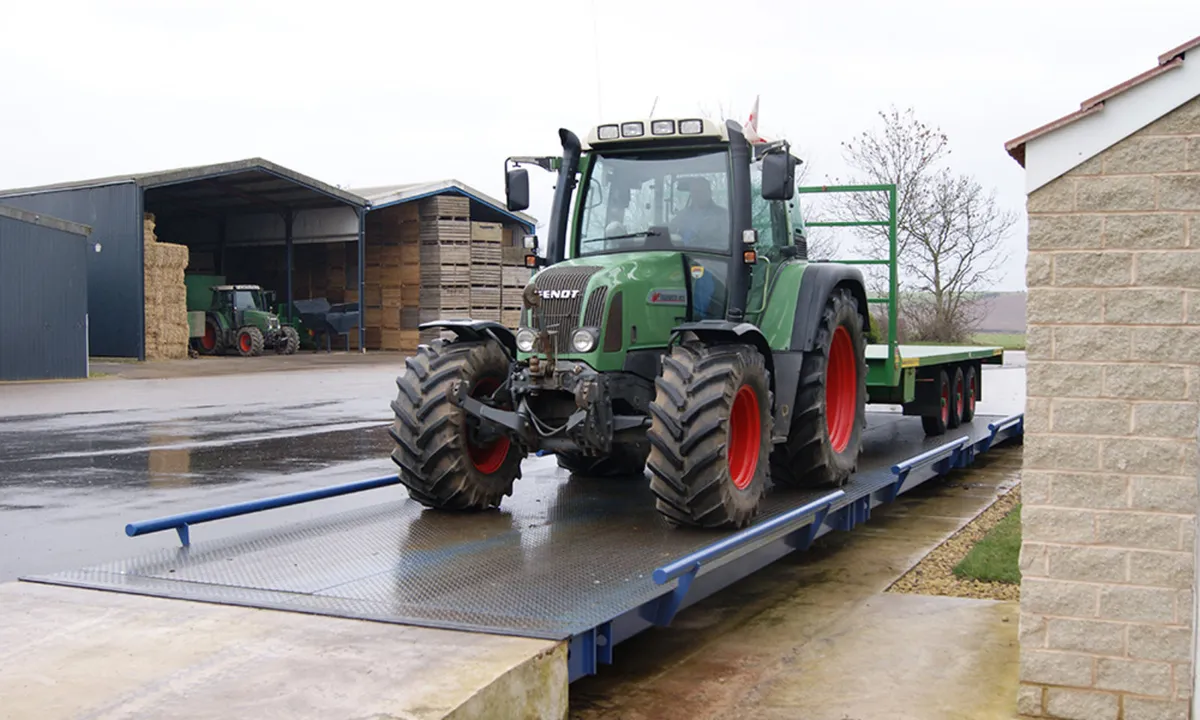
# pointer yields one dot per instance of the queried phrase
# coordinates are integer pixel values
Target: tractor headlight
(583, 340)
(525, 340)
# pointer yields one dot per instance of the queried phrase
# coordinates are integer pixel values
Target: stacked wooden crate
(445, 259)
(392, 279)
(486, 239)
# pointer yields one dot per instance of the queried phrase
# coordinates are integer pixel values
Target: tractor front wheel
(825, 437)
(446, 459)
(288, 342)
(249, 341)
(710, 435)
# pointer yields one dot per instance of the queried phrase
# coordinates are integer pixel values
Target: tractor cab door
(773, 222)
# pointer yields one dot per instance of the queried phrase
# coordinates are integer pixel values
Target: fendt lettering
(559, 294)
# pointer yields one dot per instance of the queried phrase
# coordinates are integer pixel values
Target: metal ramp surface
(564, 557)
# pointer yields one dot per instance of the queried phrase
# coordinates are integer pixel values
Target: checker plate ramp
(562, 556)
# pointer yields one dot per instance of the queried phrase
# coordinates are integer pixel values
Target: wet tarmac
(80, 460)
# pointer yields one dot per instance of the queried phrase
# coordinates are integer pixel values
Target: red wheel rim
(244, 341)
(487, 457)
(971, 397)
(745, 437)
(958, 391)
(841, 390)
(210, 338)
(945, 403)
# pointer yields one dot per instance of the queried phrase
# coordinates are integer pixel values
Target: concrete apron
(69, 653)
(816, 636)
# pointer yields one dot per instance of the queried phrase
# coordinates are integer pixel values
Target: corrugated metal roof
(385, 195)
(1169, 60)
(177, 176)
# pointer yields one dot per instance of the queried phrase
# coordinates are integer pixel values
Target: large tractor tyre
(249, 341)
(212, 342)
(623, 460)
(830, 413)
(443, 461)
(710, 435)
(971, 383)
(958, 394)
(937, 423)
(288, 341)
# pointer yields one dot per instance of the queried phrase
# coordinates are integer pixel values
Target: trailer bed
(925, 355)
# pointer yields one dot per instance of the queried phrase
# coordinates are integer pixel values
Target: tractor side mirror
(516, 189)
(778, 176)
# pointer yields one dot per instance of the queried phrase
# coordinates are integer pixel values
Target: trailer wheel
(936, 424)
(710, 435)
(972, 386)
(443, 461)
(624, 459)
(957, 398)
(249, 341)
(825, 437)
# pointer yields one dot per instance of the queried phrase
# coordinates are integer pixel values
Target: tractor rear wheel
(445, 461)
(710, 435)
(212, 342)
(622, 460)
(249, 341)
(288, 342)
(825, 437)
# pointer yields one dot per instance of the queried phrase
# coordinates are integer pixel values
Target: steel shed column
(288, 217)
(362, 279)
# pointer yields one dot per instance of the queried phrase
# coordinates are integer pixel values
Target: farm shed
(209, 210)
(255, 222)
(1109, 486)
(43, 296)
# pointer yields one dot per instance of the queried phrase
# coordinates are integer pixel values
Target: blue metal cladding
(114, 275)
(43, 302)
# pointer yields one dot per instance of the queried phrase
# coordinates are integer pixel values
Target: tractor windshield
(656, 201)
(247, 300)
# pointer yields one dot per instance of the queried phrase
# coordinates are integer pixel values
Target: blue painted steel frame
(752, 549)
(724, 562)
(180, 523)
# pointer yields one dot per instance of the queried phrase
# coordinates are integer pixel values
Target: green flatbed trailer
(940, 383)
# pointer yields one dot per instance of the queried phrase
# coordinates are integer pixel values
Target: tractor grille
(562, 314)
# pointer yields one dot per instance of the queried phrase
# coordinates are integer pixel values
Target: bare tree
(948, 229)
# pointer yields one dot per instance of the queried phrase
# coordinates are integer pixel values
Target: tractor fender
(724, 331)
(477, 330)
(818, 281)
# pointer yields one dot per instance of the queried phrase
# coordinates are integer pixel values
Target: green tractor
(675, 323)
(239, 317)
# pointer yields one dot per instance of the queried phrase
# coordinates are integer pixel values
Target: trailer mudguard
(477, 330)
(818, 281)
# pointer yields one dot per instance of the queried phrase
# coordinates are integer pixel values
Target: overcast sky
(369, 93)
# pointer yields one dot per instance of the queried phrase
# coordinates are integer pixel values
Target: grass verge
(996, 558)
(936, 573)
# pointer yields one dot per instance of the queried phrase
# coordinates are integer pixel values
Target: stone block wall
(1110, 466)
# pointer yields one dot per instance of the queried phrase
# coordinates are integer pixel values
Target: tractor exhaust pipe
(556, 251)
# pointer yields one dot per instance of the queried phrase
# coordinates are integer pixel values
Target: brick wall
(1110, 471)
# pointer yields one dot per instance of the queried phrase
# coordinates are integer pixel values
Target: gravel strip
(934, 575)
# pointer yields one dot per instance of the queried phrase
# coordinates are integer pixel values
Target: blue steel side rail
(179, 523)
(591, 648)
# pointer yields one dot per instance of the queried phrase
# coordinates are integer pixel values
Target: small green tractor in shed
(675, 324)
(239, 318)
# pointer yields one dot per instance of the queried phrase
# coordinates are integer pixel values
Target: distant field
(1008, 341)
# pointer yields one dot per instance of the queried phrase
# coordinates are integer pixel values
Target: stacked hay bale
(166, 296)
